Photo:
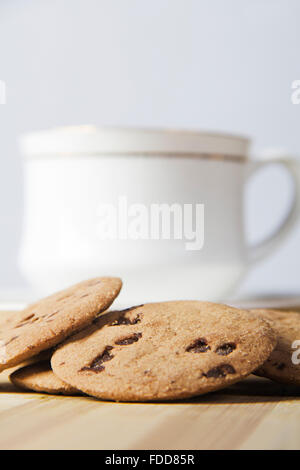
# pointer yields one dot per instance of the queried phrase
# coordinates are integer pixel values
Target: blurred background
(200, 64)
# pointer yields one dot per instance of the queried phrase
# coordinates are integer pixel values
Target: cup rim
(93, 140)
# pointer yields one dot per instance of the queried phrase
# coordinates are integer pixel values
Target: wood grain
(254, 414)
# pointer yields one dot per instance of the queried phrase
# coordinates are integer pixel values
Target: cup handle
(267, 246)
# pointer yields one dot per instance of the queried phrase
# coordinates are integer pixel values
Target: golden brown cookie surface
(40, 378)
(51, 320)
(164, 351)
(6, 317)
(279, 366)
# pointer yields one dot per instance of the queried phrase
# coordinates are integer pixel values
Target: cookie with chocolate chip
(51, 320)
(164, 351)
(40, 378)
(283, 365)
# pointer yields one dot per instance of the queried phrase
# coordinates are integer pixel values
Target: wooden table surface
(254, 414)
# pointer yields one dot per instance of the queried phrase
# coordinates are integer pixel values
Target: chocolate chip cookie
(282, 365)
(40, 378)
(51, 320)
(164, 351)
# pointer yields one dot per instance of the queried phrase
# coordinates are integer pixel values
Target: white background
(212, 64)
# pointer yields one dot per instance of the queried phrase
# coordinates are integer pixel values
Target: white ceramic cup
(71, 172)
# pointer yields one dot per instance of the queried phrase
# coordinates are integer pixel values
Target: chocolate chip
(28, 318)
(278, 365)
(129, 339)
(52, 314)
(198, 346)
(122, 320)
(96, 364)
(220, 371)
(225, 349)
